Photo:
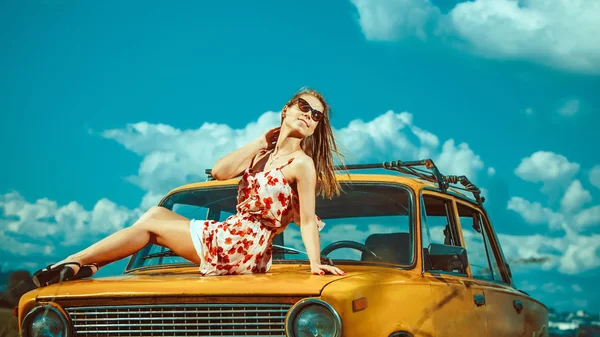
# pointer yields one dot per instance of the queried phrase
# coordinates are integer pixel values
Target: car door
(458, 307)
(505, 304)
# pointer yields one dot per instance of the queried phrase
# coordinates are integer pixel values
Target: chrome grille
(180, 320)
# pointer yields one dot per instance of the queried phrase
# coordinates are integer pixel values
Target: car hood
(288, 280)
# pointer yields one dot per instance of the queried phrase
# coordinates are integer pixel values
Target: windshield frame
(168, 203)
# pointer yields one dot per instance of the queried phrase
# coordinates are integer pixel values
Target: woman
(282, 172)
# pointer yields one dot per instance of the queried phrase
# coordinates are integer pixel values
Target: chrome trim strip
(181, 330)
(76, 319)
(187, 305)
(173, 312)
(178, 324)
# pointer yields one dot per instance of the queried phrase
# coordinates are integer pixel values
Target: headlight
(45, 321)
(313, 317)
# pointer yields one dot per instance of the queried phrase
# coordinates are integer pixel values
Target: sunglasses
(305, 107)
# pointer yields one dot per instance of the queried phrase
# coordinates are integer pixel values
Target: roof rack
(432, 174)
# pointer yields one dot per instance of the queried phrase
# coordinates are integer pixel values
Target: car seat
(390, 247)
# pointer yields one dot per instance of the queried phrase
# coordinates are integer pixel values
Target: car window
(437, 226)
(375, 216)
(482, 260)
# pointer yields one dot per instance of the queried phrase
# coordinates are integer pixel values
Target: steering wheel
(348, 244)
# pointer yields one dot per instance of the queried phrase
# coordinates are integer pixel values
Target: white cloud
(587, 218)
(173, 157)
(72, 219)
(560, 34)
(534, 213)
(391, 20)
(14, 205)
(16, 247)
(384, 138)
(150, 199)
(520, 248)
(108, 217)
(491, 171)
(39, 229)
(459, 160)
(552, 287)
(388, 137)
(575, 197)
(547, 167)
(580, 254)
(427, 138)
(571, 254)
(529, 111)
(569, 108)
(595, 176)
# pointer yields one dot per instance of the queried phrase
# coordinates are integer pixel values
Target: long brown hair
(321, 146)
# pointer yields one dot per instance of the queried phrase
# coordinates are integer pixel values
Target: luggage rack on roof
(432, 175)
(411, 168)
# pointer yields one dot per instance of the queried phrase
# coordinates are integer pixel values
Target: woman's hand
(269, 138)
(322, 269)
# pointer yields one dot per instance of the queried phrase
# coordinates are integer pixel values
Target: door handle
(479, 300)
(518, 305)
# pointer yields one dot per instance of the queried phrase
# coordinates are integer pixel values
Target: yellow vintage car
(421, 259)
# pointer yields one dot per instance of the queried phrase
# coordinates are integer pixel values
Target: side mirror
(447, 258)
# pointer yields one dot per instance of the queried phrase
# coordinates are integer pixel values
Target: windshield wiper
(161, 254)
(283, 249)
(276, 249)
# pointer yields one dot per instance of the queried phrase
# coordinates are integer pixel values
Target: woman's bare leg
(158, 226)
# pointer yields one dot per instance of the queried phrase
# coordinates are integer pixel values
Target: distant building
(588, 331)
(563, 325)
(575, 324)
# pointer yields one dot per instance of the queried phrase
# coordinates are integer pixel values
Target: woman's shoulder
(304, 161)
(304, 165)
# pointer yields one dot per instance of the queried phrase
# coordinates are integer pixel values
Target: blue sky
(106, 106)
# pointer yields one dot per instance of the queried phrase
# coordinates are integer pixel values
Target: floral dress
(243, 242)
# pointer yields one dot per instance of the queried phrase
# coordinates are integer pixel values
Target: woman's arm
(306, 180)
(234, 163)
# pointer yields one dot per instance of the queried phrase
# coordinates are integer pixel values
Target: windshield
(369, 223)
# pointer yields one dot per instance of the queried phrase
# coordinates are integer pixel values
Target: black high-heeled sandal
(85, 271)
(51, 275)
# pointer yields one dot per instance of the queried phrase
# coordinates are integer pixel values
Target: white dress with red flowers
(243, 242)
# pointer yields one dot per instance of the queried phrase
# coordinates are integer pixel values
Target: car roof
(415, 183)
